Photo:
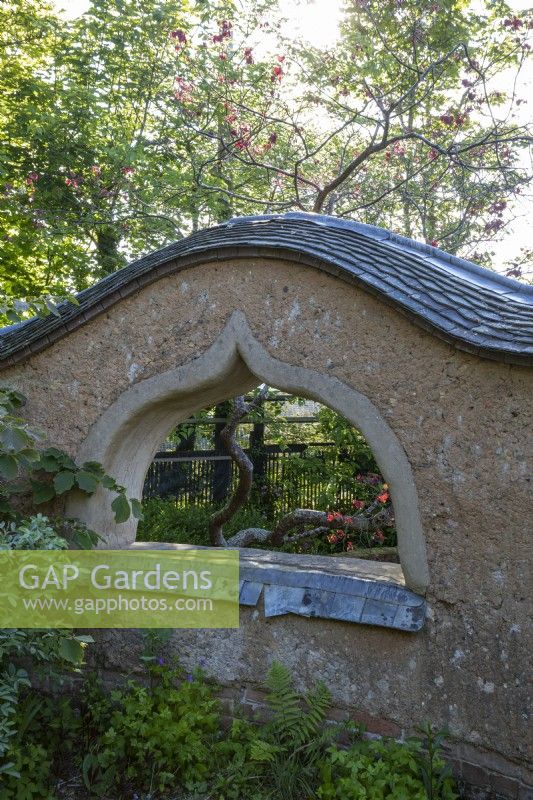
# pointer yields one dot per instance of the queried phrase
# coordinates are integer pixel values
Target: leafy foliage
(167, 521)
(16, 309)
(380, 769)
(165, 737)
(170, 728)
(24, 466)
(50, 649)
(141, 121)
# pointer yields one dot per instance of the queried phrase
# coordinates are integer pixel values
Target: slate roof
(475, 310)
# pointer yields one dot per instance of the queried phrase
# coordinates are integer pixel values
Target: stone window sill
(333, 587)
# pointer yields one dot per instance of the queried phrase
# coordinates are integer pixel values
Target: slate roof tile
(472, 308)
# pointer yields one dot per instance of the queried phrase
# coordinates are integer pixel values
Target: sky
(317, 21)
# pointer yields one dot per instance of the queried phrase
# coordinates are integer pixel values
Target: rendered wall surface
(463, 423)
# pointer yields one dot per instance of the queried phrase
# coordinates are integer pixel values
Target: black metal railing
(205, 477)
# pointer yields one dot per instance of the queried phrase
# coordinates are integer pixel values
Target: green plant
(280, 758)
(15, 310)
(53, 648)
(30, 778)
(34, 533)
(171, 727)
(386, 770)
(166, 521)
(47, 734)
(436, 773)
(24, 467)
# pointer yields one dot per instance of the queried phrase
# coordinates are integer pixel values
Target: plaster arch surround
(127, 435)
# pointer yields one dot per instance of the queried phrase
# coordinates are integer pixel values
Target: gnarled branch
(246, 469)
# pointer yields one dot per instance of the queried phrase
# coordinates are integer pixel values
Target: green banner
(119, 589)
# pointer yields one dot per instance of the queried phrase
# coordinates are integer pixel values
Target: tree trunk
(241, 494)
(107, 253)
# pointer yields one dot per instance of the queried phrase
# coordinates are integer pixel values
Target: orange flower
(383, 497)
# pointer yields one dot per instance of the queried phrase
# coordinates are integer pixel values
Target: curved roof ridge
(470, 307)
(390, 238)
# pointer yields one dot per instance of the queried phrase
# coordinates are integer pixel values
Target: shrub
(166, 521)
(149, 738)
(386, 770)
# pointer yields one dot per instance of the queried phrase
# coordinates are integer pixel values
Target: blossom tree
(142, 121)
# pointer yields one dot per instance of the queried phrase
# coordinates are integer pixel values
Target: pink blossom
(179, 35)
(183, 91)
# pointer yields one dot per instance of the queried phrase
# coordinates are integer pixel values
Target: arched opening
(312, 485)
(127, 435)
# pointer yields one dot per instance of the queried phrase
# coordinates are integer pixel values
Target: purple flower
(160, 661)
(190, 678)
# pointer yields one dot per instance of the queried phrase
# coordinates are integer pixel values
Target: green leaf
(48, 463)
(136, 508)
(9, 769)
(121, 507)
(42, 492)
(8, 466)
(51, 306)
(71, 650)
(53, 460)
(85, 539)
(87, 482)
(54, 452)
(94, 467)
(14, 439)
(64, 481)
(108, 482)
